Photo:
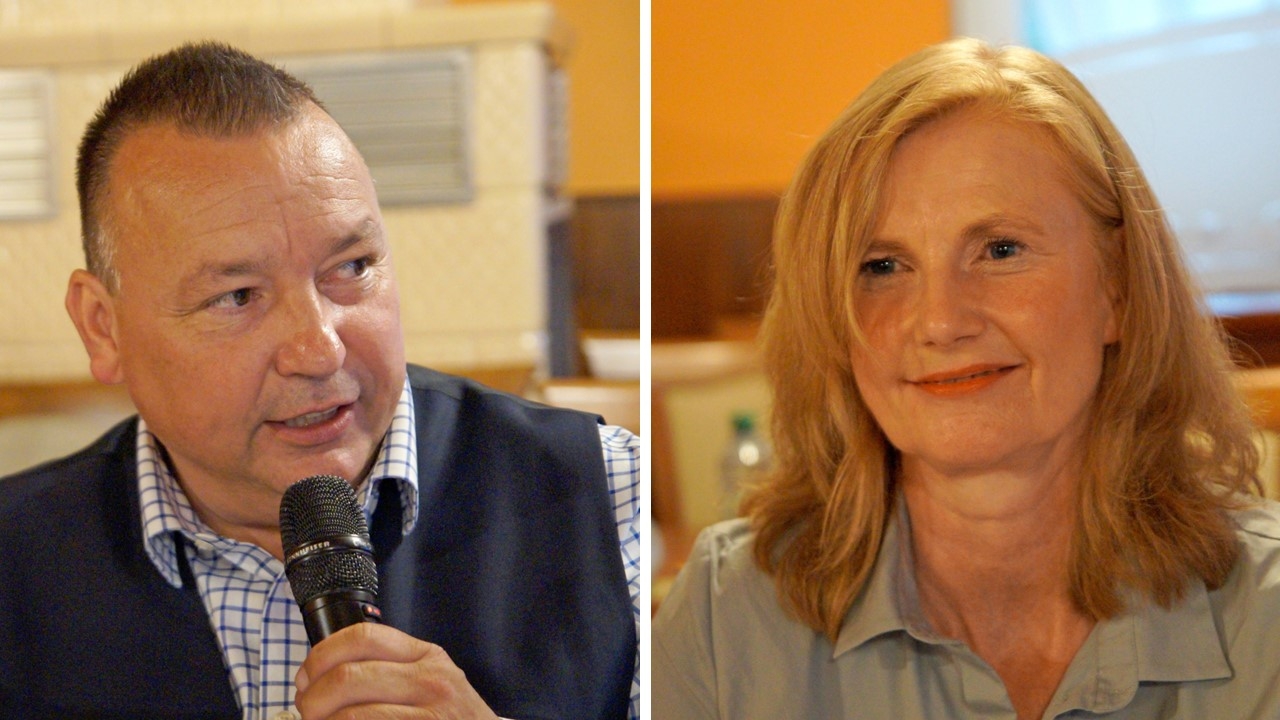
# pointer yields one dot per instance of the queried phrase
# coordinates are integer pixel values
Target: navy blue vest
(513, 568)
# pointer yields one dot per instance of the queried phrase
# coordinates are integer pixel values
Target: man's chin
(348, 468)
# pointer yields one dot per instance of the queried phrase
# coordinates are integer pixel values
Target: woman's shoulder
(1246, 607)
(1251, 594)
(719, 633)
(723, 559)
(1258, 535)
(1260, 523)
(721, 585)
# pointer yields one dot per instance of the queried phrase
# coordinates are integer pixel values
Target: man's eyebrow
(368, 231)
(236, 268)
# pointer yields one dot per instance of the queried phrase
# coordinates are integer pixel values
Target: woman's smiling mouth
(963, 380)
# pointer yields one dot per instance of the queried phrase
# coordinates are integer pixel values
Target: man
(239, 284)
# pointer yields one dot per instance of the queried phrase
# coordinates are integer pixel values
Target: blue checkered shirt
(244, 589)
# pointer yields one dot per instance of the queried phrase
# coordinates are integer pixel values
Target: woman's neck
(991, 556)
(975, 534)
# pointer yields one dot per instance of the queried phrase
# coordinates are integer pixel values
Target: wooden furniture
(48, 398)
(617, 401)
(676, 365)
(1261, 390)
(516, 378)
(1252, 320)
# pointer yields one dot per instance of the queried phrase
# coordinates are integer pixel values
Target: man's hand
(375, 671)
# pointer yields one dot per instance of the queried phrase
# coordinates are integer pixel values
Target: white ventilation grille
(407, 114)
(26, 169)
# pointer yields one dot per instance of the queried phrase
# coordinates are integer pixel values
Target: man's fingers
(371, 682)
(361, 642)
(377, 668)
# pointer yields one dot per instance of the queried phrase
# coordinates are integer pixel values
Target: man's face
(257, 319)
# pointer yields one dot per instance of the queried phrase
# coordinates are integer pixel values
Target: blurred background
(503, 138)
(742, 90)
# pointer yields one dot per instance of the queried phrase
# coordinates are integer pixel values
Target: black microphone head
(317, 507)
(326, 539)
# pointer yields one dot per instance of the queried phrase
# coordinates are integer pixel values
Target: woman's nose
(946, 308)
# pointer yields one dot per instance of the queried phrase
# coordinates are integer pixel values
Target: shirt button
(286, 715)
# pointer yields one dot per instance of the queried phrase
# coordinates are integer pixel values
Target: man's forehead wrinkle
(335, 181)
(216, 195)
(211, 270)
(159, 182)
(228, 226)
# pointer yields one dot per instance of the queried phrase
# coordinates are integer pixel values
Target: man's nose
(310, 343)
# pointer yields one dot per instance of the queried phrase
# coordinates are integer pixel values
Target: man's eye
(355, 268)
(879, 266)
(234, 299)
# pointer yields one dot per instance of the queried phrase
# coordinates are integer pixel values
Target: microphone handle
(328, 613)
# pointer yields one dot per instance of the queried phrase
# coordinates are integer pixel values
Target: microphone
(328, 557)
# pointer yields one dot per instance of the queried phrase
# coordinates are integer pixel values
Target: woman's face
(982, 301)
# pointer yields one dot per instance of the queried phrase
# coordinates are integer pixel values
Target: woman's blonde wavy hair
(1170, 446)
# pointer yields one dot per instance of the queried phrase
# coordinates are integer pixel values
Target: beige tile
(129, 45)
(50, 46)
(320, 32)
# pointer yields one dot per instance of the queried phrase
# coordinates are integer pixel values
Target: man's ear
(92, 309)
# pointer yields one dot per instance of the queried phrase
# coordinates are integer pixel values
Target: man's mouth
(311, 418)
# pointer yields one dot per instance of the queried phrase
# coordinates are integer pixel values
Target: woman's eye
(1004, 249)
(879, 266)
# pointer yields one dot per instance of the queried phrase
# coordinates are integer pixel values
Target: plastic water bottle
(746, 459)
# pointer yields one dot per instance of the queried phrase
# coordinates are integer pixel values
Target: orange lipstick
(962, 381)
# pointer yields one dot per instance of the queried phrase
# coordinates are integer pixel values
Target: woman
(1013, 478)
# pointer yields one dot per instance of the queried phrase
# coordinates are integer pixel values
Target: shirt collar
(166, 509)
(1146, 643)
(889, 601)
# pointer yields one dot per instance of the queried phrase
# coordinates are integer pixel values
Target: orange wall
(604, 96)
(603, 65)
(742, 88)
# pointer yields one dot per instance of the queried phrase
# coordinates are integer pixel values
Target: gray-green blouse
(724, 648)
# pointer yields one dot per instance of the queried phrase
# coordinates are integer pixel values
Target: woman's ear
(1112, 329)
(1111, 272)
(92, 309)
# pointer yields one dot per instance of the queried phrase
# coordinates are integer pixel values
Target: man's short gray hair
(209, 89)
